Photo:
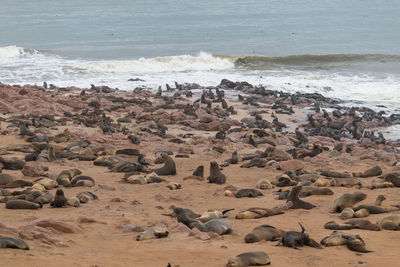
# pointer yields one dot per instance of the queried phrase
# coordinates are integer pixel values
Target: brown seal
(390, 222)
(263, 232)
(59, 199)
(64, 178)
(159, 231)
(22, 204)
(248, 193)
(255, 213)
(376, 208)
(361, 213)
(347, 201)
(295, 239)
(352, 224)
(298, 203)
(169, 167)
(216, 176)
(198, 174)
(374, 171)
(10, 242)
(353, 242)
(258, 258)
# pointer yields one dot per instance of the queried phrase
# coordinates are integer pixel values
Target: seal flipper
(225, 211)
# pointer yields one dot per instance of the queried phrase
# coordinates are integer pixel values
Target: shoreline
(197, 128)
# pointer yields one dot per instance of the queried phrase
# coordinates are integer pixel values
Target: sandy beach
(67, 115)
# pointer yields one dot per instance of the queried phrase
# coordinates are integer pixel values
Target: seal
(216, 176)
(248, 193)
(74, 202)
(258, 258)
(361, 213)
(255, 213)
(64, 178)
(169, 167)
(159, 231)
(16, 204)
(10, 242)
(356, 243)
(315, 190)
(180, 214)
(347, 201)
(18, 183)
(345, 182)
(376, 208)
(85, 196)
(334, 239)
(352, 224)
(264, 184)
(263, 232)
(393, 177)
(297, 203)
(47, 183)
(390, 222)
(347, 213)
(335, 174)
(374, 171)
(174, 186)
(77, 180)
(353, 242)
(6, 178)
(295, 239)
(234, 159)
(211, 215)
(219, 226)
(59, 199)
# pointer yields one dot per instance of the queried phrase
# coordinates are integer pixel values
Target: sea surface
(343, 49)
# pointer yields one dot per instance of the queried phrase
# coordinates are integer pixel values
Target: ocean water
(343, 49)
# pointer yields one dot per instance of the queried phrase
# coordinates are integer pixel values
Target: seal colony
(233, 167)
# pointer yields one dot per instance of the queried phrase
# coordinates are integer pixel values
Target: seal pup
(347, 201)
(361, 213)
(85, 196)
(169, 167)
(59, 199)
(263, 232)
(248, 193)
(257, 258)
(390, 222)
(181, 214)
(216, 176)
(376, 208)
(159, 231)
(22, 204)
(174, 186)
(10, 242)
(211, 215)
(298, 203)
(295, 239)
(264, 184)
(198, 174)
(347, 213)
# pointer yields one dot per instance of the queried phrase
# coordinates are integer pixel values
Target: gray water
(127, 29)
(344, 49)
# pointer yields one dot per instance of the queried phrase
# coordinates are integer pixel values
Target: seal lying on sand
(255, 213)
(295, 239)
(9, 242)
(159, 231)
(22, 204)
(249, 259)
(219, 226)
(390, 222)
(248, 193)
(211, 215)
(353, 242)
(376, 208)
(352, 224)
(263, 232)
